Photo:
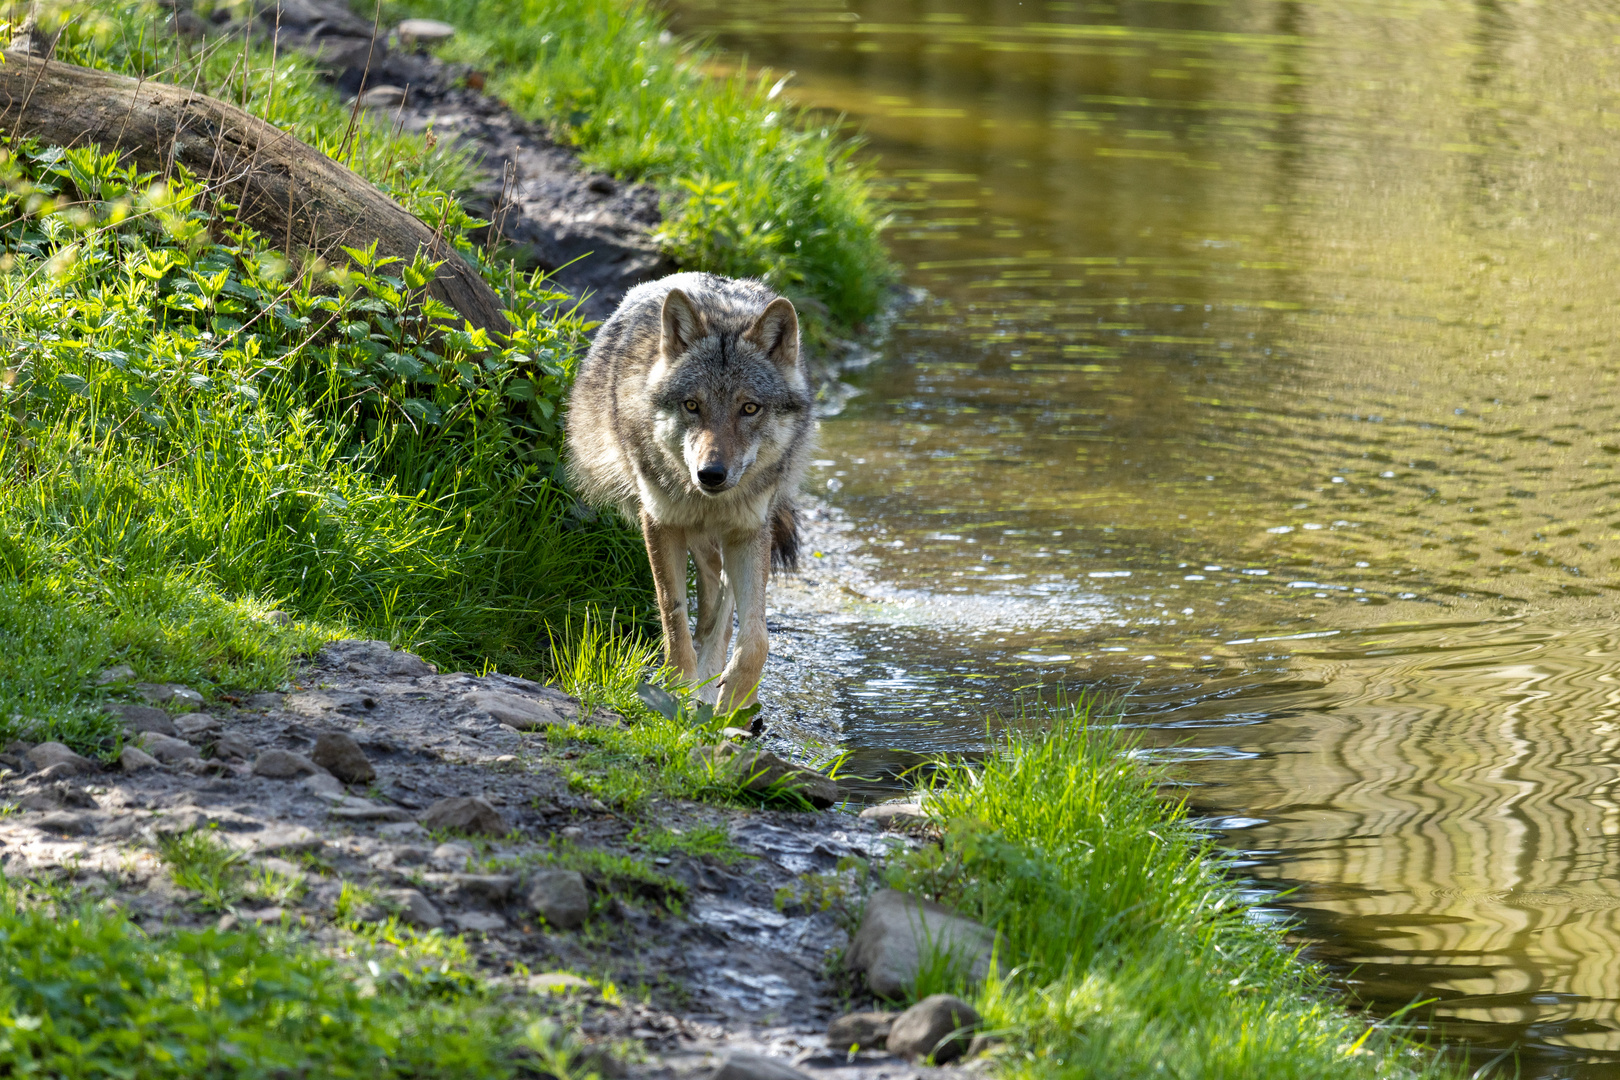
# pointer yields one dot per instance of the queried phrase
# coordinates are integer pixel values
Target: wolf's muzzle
(712, 476)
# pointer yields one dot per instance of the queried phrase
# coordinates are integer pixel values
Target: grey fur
(697, 376)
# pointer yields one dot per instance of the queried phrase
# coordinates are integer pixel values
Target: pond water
(1265, 367)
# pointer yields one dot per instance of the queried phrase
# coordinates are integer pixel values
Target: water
(1266, 369)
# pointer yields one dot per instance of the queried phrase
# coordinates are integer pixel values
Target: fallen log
(293, 194)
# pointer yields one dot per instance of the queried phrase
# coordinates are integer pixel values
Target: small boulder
(144, 718)
(283, 765)
(286, 840)
(195, 726)
(895, 815)
(524, 714)
(134, 759)
(761, 770)
(744, 1066)
(560, 897)
(166, 748)
(452, 854)
(402, 830)
(899, 929)
(232, 747)
(49, 754)
(483, 922)
(341, 756)
(67, 823)
(366, 810)
(60, 795)
(862, 1029)
(485, 888)
(116, 674)
(939, 1026)
(278, 618)
(375, 658)
(417, 910)
(324, 786)
(464, 813)
(164, 693)
(426, 32)
(382, 97)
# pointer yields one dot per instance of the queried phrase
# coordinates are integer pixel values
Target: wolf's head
(729, 395)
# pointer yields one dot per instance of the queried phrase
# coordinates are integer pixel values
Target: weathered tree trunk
(290, 192)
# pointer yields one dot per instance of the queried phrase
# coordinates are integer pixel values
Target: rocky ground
(377, 786)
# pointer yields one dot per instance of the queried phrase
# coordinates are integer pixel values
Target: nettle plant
(130, 296)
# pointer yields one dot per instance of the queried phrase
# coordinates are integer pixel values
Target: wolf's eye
(750, 409)
(689, 405)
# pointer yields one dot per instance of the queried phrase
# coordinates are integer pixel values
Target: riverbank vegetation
(1123, 950)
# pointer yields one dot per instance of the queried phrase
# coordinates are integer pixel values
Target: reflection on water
(1265, 367)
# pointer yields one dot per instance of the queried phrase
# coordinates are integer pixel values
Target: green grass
(754, 187)
(1123, 951)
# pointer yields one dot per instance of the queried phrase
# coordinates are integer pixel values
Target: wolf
(692, 415)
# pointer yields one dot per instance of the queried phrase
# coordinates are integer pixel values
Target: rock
(417, 910)
(232, 747)
(68, 824)
(464, 813)
(479, 921)
(366, 810)
(264, 916)
(117, 674)
(166, 748)
(278, 618)
(452, 854)
(60, 795)
(558, 982)
(163, 693)
(265, 701)
(560, 897)
(488, 888)
(899, 928)
(863, 1029)
(895, 815)
(939, 1026)
(144, 718)
(195, 726)
(341, 756)
(426, 32)
(283, 765)
(523, 713)
(376, 658)
(383, 97)
(134, 759)
(761, 770)
(286, 840)
(49, 754)
(743, 1066)
(403, 830)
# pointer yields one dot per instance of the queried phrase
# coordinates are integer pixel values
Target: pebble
(195, 725)
(232, 747)
(424, 31)
(341, 756)
(144, 718)
(417, 910)
(383, 97)
(134, 759)
(862, 1029)
(465, 813)
(166, 748)
(560, 897)
(54, 754)
(283, 765)
(285, 840)
(479, 921)
(119, 673)
(521, 713)
(939, 1026)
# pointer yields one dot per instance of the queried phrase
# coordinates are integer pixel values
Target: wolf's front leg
(714, 617)
(666, 551)
(748, 565)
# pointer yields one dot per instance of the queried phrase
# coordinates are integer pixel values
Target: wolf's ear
(776, 333)
(683, 324)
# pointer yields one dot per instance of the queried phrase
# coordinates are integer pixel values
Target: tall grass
(1124, 953)
(755, 187)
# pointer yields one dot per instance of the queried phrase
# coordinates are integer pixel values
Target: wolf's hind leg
(748, 565)
(714, 616)
(666, 551)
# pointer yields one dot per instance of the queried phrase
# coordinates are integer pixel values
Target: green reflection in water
(1245, 322)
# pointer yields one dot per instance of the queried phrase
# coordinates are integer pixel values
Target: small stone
(163, 693)
(144, 718)
(50, 754)
(417, 910)
(488, 888)
(117, 674)
(761, 770)
(265, 701)
(60, 795)
(286, 840)
(743, 1066)
(264, 916)
(524, 714)
(383, 97)
(68, 824)
(939, 1026)
(403, 830)
(364, 810)
(232, 747)
(558, 982)
(897, 931)
(166, 748)
(479, 921)
(452, 854)
(560, 897)
(195, 726)
(375, 658)
(324, 786)
(278, 618)
(464, 813)
(283, 765)
(895, 815)
(134, 759)
(863, 1029)
(341, 756)
(426, 32)
(736, 734)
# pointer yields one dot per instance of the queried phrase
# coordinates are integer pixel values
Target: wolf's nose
(712, 476)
